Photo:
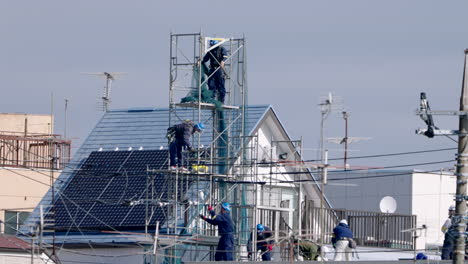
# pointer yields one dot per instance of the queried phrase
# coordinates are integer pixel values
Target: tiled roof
(139, 128)
(12, 242)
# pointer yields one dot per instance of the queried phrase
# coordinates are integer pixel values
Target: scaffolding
(34, 151)
(230, 155)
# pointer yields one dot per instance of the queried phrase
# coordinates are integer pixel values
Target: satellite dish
(388, 204)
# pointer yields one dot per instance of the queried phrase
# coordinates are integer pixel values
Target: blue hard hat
(226, 207)
(260, 228)
(213, 42)
(421, 256)
(200, 126)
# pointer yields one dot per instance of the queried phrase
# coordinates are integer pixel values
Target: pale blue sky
(377, 55)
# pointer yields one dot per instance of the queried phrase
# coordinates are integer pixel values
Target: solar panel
(97, 195)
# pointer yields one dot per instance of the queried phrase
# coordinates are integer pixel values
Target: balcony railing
(34, 151)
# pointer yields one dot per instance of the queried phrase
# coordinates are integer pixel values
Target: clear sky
(377, 55)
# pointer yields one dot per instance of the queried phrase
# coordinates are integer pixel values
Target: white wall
(19, 258)
(432, 196)
(370, 187)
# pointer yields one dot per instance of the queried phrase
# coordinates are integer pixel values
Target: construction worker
(217, 56)
(342, 235)
(308, 250)
(449, 235)
(225, 249)
(179, 136)
(264, 242)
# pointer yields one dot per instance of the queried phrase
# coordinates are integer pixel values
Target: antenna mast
(110, 76)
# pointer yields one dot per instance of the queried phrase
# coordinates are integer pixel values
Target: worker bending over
(264, 242)
(179, 138)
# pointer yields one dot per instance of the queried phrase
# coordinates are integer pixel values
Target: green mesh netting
(207, 96)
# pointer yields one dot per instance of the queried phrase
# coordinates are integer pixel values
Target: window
(13, 220)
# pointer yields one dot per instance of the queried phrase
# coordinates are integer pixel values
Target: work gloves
(202, 217)
(270, 247)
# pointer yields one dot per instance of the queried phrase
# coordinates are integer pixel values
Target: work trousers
(342, 251)
(447, 248)
(225, 249)
(216, 85)
(175, 150)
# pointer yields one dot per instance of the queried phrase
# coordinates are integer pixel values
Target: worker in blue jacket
(181, 139)
(216, 56)
(225, 249)
(264, 242)
(342, 234)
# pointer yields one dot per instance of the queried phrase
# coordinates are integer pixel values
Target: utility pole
(458, 220)
(462, 170)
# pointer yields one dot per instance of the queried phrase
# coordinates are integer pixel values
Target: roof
(137, 128)
(12, 243)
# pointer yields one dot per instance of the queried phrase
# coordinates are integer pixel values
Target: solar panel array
(97, 196)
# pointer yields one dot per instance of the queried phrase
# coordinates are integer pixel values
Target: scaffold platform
(205, 105)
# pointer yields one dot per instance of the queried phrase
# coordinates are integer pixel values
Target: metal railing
(372, 229)
(34, 151)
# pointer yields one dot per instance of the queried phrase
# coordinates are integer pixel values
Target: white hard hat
(343, 221)
(452, 208)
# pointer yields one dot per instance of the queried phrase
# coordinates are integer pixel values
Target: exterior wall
(19, 123)
(425, 195)
(115, 255)
(22, 189)
(369, 190)
(432, 196)
(19, 258)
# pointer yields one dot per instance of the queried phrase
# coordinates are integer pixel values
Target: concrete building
(26, 170)
(426, 195)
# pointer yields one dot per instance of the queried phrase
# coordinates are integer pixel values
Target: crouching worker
(179, 138)
(225, 249)
(264, 242)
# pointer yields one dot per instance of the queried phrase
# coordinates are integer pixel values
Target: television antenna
(346, 140)
(110, 76)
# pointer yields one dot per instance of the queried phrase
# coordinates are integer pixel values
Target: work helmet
(213, 42)
(260, 228)
(421, 256)
(343, 221)
(200, 126)
(452, 208)
(226, 207)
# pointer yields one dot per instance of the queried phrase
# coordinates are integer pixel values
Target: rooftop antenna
(110, 76)
(346, 140)
(65, 121)
(329, 103)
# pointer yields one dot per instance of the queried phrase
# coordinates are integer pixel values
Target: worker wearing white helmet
(449, 237)
(448, 222)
